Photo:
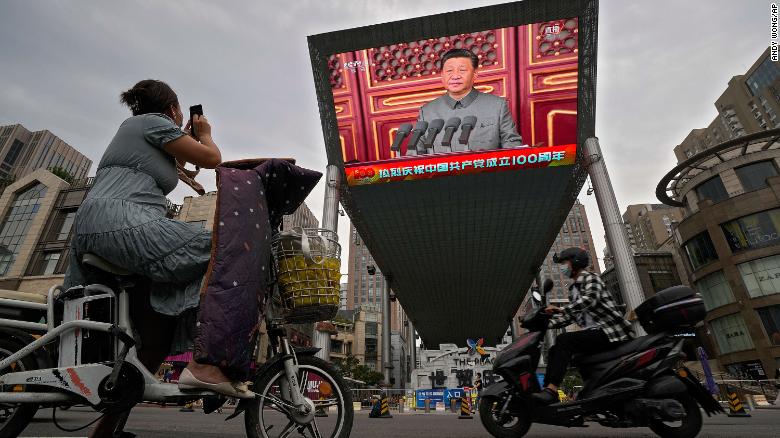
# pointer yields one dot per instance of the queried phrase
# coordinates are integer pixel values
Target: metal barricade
(366, 397)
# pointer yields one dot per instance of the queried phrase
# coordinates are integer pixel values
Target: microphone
(403, 131)
(466, 127)
(417, 132)
(433, 130)
(449, 130)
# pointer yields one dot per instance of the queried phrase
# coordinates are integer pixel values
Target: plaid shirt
(600, 306)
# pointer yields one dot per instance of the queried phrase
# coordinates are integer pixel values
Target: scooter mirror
(547, 286)
(537, 297)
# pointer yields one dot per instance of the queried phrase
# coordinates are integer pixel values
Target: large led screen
(495, 100)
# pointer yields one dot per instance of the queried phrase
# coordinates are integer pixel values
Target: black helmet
(578, 256)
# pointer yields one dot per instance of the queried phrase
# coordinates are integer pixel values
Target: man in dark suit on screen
(495, 127)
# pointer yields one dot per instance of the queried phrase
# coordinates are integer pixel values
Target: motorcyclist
(591, 307)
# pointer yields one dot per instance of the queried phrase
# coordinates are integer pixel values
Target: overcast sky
(661, 65)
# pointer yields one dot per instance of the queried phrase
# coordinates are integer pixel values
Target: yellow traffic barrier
(319, 410)
(465, 407)
(736, 409)
(381, 408)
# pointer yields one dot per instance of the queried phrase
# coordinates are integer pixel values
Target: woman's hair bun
(149, 96)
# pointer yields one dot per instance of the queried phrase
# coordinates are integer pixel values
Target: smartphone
(195, 109)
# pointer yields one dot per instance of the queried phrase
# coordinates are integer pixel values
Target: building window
(662, 279)
(763, 76)
(16, 223)
(761, 276)
(372, 329)
(67, 224)
(715, 290)
(700, 250)
(731, 334)
(12, 155)
(712, 189)
(47, 263)
(753, 176)
(753, 231)
(61, 225)
(770, 317)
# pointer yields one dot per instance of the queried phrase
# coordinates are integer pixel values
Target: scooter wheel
(688, 427)
(506, 425)
(14, 418)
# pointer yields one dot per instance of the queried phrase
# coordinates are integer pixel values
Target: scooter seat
(623, 349)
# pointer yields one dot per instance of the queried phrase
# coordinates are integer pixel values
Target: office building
(23, 152)
(730, 192)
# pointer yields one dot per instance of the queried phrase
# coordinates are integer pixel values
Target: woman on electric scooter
(591, 307)
(123, 220)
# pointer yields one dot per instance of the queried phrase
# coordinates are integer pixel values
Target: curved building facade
(729, 240)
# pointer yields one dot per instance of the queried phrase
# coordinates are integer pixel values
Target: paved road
(169, 422)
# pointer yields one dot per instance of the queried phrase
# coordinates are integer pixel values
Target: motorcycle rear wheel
(688, 427)
(14, 418)
(508, 426)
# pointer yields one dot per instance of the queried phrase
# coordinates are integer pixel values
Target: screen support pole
(387, 361)
(330, 221)
(412, 349)
(614, 228)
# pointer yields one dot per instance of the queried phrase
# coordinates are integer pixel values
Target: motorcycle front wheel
(330, 398)
(506, 425)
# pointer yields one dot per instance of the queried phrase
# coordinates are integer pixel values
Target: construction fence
(406, 400)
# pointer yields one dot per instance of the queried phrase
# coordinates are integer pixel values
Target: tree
(5, 182)
(63, 174)
(366, 374)
(347, 365)
(350, 366)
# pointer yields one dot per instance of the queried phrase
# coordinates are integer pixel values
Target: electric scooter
(640, 383)
(87, 356)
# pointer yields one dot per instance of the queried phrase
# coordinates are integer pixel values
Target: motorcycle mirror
(537, 296)
(548, 285)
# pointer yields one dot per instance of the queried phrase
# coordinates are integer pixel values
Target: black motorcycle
(640, 383)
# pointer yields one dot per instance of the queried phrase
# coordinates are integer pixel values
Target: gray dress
(123, 218)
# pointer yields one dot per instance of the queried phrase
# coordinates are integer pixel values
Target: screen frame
(451, 23)
(355, 199)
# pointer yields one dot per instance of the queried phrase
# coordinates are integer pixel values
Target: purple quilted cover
(252, 197)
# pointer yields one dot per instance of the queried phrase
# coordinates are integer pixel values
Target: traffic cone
(736, 409)
(465, 407)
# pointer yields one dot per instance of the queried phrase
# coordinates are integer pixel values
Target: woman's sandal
(188, 381)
